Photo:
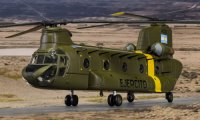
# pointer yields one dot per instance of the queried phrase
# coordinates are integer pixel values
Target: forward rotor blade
(20, 24)
(6, 23)
(92, 26)
(27, 31)
(106, 22)
(132, 15)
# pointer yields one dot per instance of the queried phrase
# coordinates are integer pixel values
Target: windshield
(42, 59)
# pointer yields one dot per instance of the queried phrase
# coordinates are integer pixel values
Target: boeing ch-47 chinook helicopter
(148, 67)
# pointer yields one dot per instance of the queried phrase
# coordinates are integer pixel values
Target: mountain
(73, 9)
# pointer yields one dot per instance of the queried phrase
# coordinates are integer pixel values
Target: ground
(15, 92)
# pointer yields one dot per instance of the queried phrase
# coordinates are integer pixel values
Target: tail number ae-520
(126, 83)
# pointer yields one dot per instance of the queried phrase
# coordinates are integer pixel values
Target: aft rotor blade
(107, 22)
(27, 31)
(126, 14)
(182, 10)
(139, 21)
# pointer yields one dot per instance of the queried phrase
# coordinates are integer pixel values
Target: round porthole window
(124, 67)
(141, 69)
(86, 63)
(106, 65)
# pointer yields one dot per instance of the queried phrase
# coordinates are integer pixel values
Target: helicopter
(60, 64)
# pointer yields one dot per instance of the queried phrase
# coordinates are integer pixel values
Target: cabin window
(86, 63)
(124, 67)
(106, 65)
(141, 69)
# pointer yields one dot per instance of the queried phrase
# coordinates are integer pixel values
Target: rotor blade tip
(117, 14)
(8, 37)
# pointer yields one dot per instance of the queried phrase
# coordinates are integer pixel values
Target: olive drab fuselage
(61, 64)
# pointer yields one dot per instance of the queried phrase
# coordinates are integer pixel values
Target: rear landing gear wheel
(130, 97)
(111, 100)
(114, 100)
(68, 100)
(169, 97)
(118, 100)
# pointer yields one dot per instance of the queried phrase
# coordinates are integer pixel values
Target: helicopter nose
(28, 77)
(38, 76)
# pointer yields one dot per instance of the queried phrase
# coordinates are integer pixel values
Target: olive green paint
(69, 73)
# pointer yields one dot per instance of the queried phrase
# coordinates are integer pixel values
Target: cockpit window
(34, 59)
(51, 59)
(41, 59)
(63, 60)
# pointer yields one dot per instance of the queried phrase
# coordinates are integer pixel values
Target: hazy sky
(70, 9)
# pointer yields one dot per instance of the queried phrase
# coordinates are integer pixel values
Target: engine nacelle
(130, 47)
(160, 49)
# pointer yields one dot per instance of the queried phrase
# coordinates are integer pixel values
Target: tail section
(156, 39)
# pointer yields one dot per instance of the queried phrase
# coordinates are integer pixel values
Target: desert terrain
(15, 93)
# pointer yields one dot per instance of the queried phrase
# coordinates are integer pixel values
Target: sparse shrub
(197, 89)
(189, 75)
(3, 71)
(99, 44)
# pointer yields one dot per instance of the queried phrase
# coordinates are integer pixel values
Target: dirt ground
(14, 92)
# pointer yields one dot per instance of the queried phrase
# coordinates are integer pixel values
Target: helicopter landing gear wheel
(68, 100)
(75, 100)
(71, 100)
(114, 99)
(169, 97)
(111, 100)
(118, 100)
(130, 96)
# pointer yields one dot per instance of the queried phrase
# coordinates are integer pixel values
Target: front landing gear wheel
(74, 100)
(114, 100)
(71, 100)
(130, 97)
(169, 97)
